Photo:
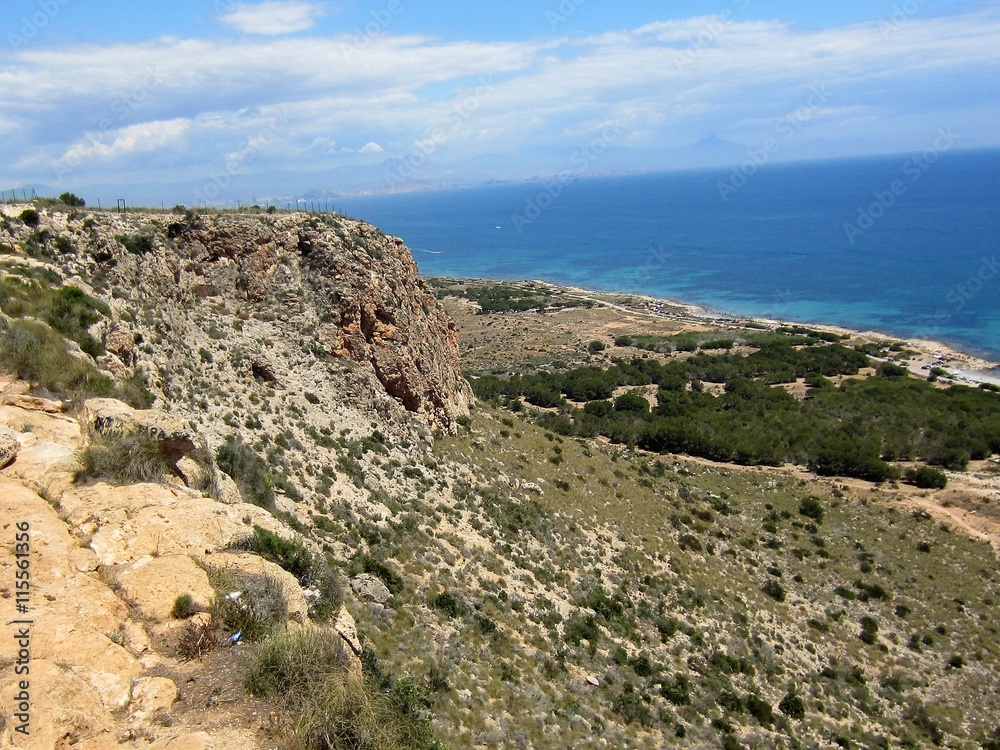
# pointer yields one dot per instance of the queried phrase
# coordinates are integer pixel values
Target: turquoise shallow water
(900, 244)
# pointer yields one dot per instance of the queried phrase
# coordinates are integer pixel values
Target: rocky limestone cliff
(301, 336)
(317, 290)
(107, 563)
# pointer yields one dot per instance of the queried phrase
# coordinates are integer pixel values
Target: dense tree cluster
(856, 429)
(499, 299)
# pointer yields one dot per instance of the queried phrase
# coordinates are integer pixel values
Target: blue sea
(908, 245)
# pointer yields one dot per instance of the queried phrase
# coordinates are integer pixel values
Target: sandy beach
(959, 366)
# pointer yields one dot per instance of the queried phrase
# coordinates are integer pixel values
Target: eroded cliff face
(320, 290)
(351, 289)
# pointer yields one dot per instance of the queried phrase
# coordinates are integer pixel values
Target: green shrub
(869, 591)
(123, 458)
(290, 554)
(183, 607)
(891, 370)
(36, 353)
(632, 707)
(68, 199)
(259, 610)
(350, 466)
(677, 690)
(448, 603)
(927, 478)
(313, 572)
(72, 312)
(137, 244)
(792, 705)
(29, 216)
(842, 456)
(774, 590)
(667, 627)
(134, 392)
(811, 507)
(869, 630)
(579, 628)
(598, 408)
(292, 662)
(644, 666)
(596, 346)
(485, 625)
(329, 709)
(248, 470)
(760, 709)
(921, 719)
(368, 564)
(632, 402)
(66, 309)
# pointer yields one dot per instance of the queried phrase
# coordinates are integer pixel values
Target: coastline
(961, 367)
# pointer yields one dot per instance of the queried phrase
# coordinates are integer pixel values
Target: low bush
(368, 564)
(869, 630)
(677, 690)
(250, 603)
(448, 603)
(197, 640)
(927, 478)
(631, 705)
(37, 354)
(295, 661)
(183, 607)
(774, 590)
(312, 571)
(328, 709)
(123, 458)
(134, 392)
(248, 470)
(792, 706)
(137, 244)
(290, 554)
(811, 507)
(582, 629)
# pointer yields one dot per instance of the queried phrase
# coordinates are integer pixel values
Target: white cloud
(273, 18)
(203, 104)
(135, 139)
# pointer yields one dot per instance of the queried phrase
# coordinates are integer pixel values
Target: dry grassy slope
(675, 555)
(577, 616)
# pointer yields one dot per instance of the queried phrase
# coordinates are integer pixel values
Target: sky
(214, 101)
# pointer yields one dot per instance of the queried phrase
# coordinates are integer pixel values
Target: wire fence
(124, 206)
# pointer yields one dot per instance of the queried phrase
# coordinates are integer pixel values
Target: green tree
(927, 477)
(71, 200)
